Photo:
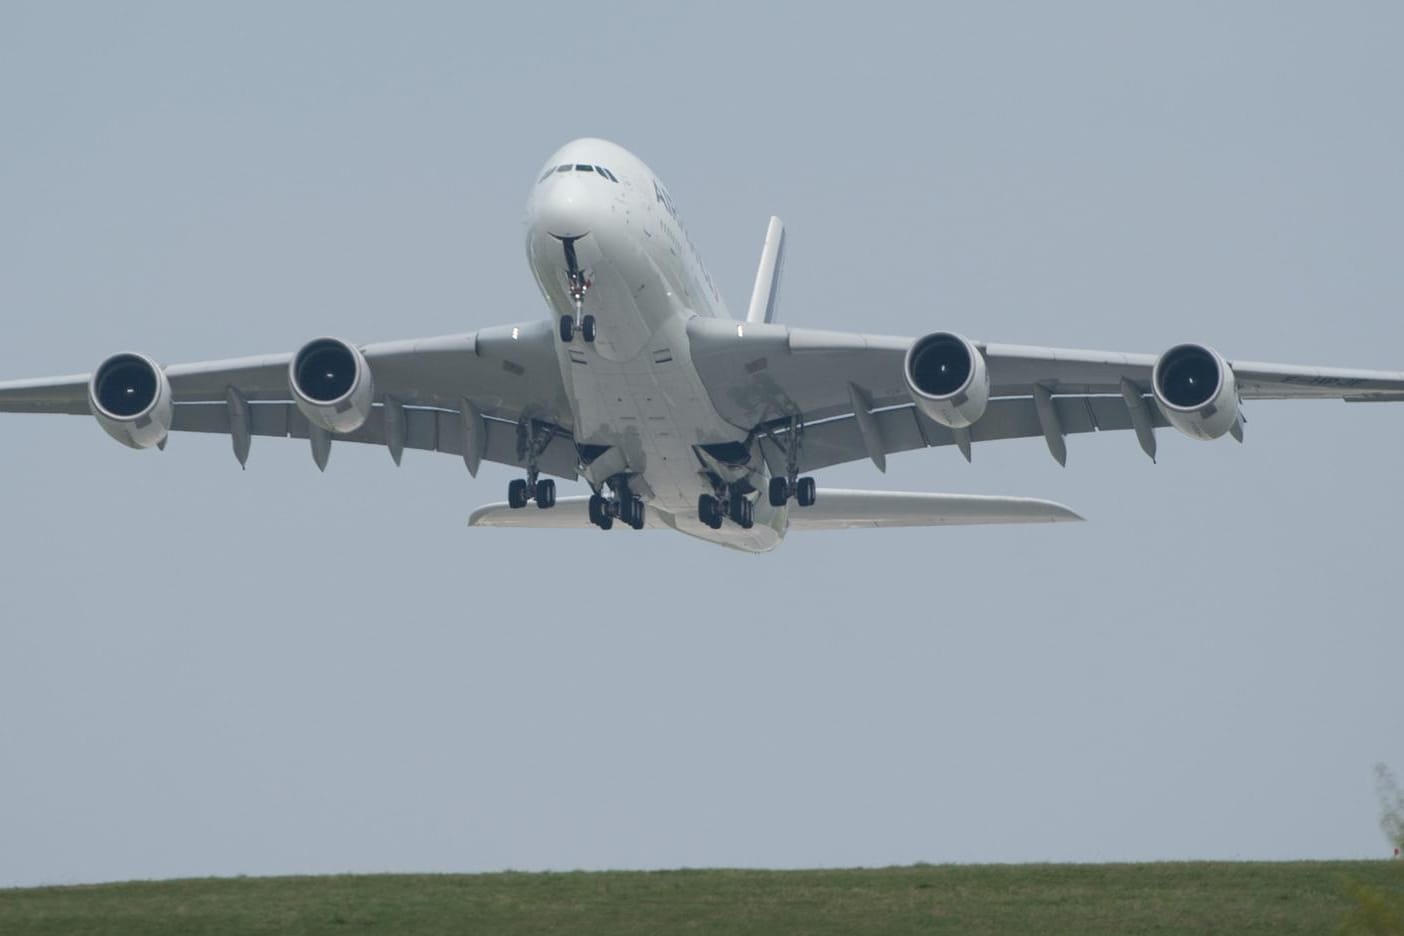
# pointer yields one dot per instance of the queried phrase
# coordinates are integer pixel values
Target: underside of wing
(841, 510)
(495, 394)
(812, 399)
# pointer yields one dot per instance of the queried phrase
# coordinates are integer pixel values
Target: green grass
(1199, 897)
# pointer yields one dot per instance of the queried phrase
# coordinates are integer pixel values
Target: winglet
(765, 295)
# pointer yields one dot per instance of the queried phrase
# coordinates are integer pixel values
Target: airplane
(675, 414)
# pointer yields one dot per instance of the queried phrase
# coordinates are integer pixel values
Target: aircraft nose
(566, 207)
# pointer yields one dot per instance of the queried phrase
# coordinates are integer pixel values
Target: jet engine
(947, 378)
(131, 398)
(331, 384)
(1196, 390)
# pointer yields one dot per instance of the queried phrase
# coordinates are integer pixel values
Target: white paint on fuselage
(635, 388)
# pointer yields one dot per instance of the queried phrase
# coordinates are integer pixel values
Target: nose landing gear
(578, 283)
(588, 329)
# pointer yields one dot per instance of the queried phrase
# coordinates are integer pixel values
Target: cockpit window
(578, 167)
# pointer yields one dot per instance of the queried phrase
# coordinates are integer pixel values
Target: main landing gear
(522, 490)
(624, 506)
(532, 439)
(713, 509)
(803, 490)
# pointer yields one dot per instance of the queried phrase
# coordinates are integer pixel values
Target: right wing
(508, 375)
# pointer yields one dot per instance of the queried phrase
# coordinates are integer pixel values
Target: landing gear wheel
(545, 493)
(631, 511)
(736, 509)
(709, 511)
(587, 329)
(517, 493)
(805, 492)
(567, 328)
(597, 511)
(779, 492)
(740, 511)
(606, 522)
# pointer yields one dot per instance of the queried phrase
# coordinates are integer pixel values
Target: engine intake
(1196, 390)
(947, 379)
(331, 384)
(131, 399)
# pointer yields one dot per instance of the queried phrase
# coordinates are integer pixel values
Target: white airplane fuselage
(634, 389)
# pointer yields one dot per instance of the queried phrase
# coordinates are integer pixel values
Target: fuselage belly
(608, 244)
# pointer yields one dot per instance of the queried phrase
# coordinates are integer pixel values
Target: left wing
(470, 395)
(850, 394)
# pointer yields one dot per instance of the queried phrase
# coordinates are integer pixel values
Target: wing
(432, 394)
(850, 393)
(842, 510)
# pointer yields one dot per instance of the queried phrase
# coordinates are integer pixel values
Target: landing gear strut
(532, 439)
(803, 490)
(578, 283)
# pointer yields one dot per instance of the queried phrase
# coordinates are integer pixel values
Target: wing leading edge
(468, 394)
(764, 378)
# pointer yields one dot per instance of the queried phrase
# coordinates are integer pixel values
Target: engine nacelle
(947, 378)
(131, 398)
(1196, 390)
(331, 384)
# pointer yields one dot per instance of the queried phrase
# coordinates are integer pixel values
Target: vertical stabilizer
(766, 294)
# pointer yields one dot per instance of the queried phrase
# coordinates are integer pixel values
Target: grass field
(1200, 897)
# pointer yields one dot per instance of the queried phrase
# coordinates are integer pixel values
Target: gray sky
(208, 671)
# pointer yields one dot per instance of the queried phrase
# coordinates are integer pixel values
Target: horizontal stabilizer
(570, 513)
(840, 510)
